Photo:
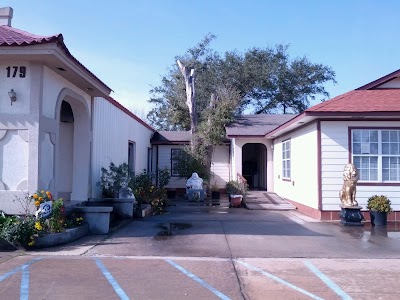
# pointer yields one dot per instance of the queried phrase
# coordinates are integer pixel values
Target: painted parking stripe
(333, 286)
(120, 292)
(17, 269)
(269, 275)
(24, 292)
(197, 279)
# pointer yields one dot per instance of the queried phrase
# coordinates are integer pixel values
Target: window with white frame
(376, 154)
(175, 156)
(286, 159)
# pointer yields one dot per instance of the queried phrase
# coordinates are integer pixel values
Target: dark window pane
(393, 136)
(385, 148)
(373, 136)
(385, 136)
(356, 136)
(357, 148)
(374, 148)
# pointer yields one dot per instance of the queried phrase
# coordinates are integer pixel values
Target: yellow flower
(42, 191)
(35, 196)
(40, 198)
(38, 226)
(37, 203)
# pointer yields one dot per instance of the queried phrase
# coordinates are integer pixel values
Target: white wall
(19, 126)
(164, 161)
(112, 131)
(335, 155)
(220, 166)
(303, 186)
(236, 167)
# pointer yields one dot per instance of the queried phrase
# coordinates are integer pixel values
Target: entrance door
(254, 166)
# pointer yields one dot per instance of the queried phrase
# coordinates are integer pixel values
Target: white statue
(194, 182)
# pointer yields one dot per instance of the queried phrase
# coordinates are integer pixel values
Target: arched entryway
(72, 147)
(254, 165)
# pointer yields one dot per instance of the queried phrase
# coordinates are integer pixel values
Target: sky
(130, 44)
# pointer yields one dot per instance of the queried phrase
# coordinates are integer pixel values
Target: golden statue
(348, 193)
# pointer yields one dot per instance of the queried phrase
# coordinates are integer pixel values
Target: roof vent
(6, 14)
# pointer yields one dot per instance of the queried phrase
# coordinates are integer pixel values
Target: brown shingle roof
(171, 137)
(360, 101)
(255, 125)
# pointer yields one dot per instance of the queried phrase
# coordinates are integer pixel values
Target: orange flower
(35, 196)
(40, 198)
(37, 203)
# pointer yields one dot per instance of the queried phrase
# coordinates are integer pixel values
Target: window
(376, 154)
(175, 155)
(286, 159)
(131, 156)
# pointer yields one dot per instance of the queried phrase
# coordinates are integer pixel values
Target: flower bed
(61, 238)
(48, 219)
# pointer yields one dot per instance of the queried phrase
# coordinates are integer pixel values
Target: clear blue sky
(129, 44)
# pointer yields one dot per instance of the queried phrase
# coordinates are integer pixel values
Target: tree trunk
(189, 76)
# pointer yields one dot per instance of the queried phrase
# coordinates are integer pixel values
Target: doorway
(254, 165)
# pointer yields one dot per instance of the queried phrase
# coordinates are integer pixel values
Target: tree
(264, 80)
(267, 80)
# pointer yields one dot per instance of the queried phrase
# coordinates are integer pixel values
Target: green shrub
(379, 203)
(113, 179)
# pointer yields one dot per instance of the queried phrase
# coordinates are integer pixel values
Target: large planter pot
(378, 218)
(235, 200)
(215, 195)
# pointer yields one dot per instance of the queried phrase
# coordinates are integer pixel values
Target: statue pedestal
(351, 215)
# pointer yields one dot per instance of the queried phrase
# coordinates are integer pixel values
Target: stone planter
(62, 238)
(97, 217)
(122, 207)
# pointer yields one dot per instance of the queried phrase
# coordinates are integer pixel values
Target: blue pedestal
(351, 215)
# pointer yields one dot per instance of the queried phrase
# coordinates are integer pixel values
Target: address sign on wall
(16, 71)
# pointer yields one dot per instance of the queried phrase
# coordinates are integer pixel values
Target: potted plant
(215, 193)
(379, 207)
(234, 192)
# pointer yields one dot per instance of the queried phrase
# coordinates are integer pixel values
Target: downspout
(156, 165)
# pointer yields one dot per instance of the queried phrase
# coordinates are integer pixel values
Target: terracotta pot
(235, 200)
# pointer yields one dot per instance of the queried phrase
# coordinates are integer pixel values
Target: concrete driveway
(214, 253)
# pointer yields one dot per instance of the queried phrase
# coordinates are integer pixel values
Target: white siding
(164, 161)
(303, 186)
(112, 131)
(335, 155)
(393, 84)
(220, 166)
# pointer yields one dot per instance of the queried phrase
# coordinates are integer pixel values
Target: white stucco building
(58, 125)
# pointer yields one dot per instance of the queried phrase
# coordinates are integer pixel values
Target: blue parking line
(120, 292)
(17, 269)
(288, 284)
(24, 292)
(197, 279)
(333, 286)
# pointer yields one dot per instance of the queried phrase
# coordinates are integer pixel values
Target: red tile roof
(10, 36)
(359, 101)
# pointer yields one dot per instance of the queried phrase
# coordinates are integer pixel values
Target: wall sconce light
(13, 96)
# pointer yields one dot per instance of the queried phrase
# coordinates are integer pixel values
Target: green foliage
(379, 203)
(233, 187)
(264, 80)
(57, 220)
(190, 161)
(146, 191)
(18, 230)
(113, 179)
(143, 187)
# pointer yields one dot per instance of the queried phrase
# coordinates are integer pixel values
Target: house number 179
(15, 70)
